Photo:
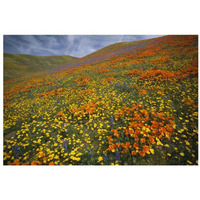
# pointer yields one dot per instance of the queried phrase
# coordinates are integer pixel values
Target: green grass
(18, 65)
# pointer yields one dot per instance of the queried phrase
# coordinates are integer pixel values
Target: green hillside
(18, 65)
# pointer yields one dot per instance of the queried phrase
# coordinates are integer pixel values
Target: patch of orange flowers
(103, 70)
(143, 129)
(108, 80)
(89, 108)
(83, 80)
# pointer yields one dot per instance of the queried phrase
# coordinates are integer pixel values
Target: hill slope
(136, 49)
(17, 65)
(127, 104)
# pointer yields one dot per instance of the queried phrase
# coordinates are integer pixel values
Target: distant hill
(17, 65)
(104, 53)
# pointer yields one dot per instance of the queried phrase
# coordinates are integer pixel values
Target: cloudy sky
(73, 45)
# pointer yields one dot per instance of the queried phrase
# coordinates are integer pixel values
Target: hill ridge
(18, 65)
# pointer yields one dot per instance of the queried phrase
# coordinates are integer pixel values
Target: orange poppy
(133, 153)
(124, 151)
(110, 139)
(111, 147)
(137, 139)
(145, 148)
(16, 162)
(27, 163)
(142, 140)
(168, 135)
(152, 141)
(39, 162)
(137, 131)
(118, 145)
(128, 145)
(136, 145)
(115, 131)
(123, 145)
(34, 162)
(135, 135)
(45, 158)
(51, 163)
(142, 153)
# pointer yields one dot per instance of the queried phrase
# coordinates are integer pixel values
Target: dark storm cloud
(73, 45)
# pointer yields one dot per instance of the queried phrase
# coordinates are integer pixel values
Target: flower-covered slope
(132, 103)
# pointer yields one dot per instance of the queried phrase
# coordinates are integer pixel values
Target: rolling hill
(137, 49)
(18, 65)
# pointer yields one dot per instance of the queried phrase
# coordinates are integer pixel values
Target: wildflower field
(131, 103)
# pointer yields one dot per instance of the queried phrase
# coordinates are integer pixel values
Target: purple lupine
(123, 100)
(103, 95)
(117, 155)
(105, 158)
(125, 85)
(111, 121)
(90, 155)
(64, 144)
(183, 88)
(58, 101)
(66, 131)
(17, 151)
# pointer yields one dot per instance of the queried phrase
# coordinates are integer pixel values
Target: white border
(98, 17)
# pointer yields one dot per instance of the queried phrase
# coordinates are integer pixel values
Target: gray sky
(73, 45)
